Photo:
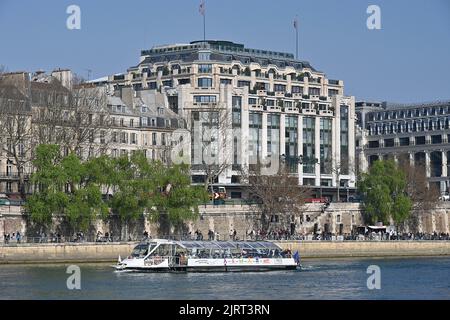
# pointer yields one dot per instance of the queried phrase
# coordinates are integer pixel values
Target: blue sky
(408, 60)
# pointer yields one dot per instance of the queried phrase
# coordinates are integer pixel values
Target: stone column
(264, 136)
(427, 164)
(444, 164)
(317, 150)
(411, 159)
(282, 134)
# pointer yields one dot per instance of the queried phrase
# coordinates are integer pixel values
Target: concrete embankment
(60, 253)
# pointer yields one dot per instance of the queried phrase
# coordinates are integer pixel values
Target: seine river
(409, 278)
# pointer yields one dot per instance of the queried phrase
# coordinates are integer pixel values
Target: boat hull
(211, 269)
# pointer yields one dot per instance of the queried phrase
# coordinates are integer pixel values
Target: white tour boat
(201, 256)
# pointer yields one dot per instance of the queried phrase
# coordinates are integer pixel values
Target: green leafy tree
(134, 186)
(65, 186)
(385, 193)
(154, 188)
(48, 180)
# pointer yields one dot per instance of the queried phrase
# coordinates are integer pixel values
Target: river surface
(407, 278)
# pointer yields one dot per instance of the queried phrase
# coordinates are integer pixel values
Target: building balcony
(309, 111)
(261, 92)
(256, 107)
(274, 108)
(291, 110)
(329, 113)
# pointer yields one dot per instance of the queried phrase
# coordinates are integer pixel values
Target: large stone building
(418, 132)
(40, 108)
(280, 109)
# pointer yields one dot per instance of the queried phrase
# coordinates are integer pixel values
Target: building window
(204, 68)
(204, 56)
(205, 82)
(338, 218)
(205, 99)
(297, 89)
(133, 138)
(242, 83)
(314, 91)
(163, 139)
(333, 92)
(154, 138)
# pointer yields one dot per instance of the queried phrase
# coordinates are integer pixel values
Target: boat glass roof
(228, 244)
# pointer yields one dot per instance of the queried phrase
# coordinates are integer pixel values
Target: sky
(407, 60)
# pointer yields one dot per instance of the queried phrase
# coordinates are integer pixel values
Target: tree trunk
(338, 192)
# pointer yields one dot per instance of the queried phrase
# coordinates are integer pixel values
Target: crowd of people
(258, 235)
(11, 237)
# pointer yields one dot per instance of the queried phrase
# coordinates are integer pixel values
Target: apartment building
(418, 132)
(85, 118)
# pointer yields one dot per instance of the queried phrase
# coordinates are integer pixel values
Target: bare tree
(276, 194)
(15, 131)
(72, 117)
(425, 196)
(338, 167)
(210, 126)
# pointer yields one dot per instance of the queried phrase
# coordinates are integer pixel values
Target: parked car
(444, 197)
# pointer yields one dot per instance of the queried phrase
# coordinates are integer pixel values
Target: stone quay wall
(222, 218)
(348, 249)
(67, 252)
(92, 252)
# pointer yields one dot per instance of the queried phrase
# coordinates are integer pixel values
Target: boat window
(163, 250)
(140, 250)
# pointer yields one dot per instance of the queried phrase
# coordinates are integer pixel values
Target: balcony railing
(13, 175)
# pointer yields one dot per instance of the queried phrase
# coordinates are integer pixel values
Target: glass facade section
(309, 153)
(291, 142)
(325, 146)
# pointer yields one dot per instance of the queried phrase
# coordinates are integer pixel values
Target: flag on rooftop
(296, 23)
(202, 8)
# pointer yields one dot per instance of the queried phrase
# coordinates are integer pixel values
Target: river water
(408, 278)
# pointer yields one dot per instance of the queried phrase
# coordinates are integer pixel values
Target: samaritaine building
(277, 109)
